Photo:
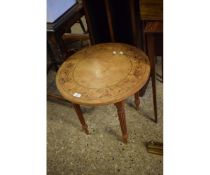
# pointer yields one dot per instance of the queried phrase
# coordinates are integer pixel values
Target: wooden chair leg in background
(137, 100)
(122, 120)
(151, 30)
(151, 54)
(143, 89)
(81, 118)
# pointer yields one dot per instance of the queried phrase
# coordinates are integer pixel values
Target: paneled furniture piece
(104, 74)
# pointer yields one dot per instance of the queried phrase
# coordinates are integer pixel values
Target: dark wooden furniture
(91, 77)
(152, 29)
(57, 28)
(62, 16)
(113, 21)
(151, 10)
(151, 15)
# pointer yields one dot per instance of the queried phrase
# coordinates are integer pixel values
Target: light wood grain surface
(103, 74)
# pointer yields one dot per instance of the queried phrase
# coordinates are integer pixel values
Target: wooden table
(104, 74)
(151, 16)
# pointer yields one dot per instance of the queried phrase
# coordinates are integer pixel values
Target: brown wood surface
(151, 54)
(151, 13)
(81, 117)
(151, 9)
(154, 27)
(97, 75)
(152, 30)
(71, 37)
(121, 115)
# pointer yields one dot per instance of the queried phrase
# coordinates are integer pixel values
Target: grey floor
(71, 152)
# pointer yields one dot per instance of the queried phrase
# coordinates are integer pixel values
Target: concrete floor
(71, 152)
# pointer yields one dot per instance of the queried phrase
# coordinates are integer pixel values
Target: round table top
(103, 74)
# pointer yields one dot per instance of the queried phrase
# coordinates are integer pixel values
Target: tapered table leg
(121, 116)
(137, 100)
(81, 118)
(151, 54)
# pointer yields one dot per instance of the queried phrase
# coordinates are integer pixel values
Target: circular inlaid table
(104, 74)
